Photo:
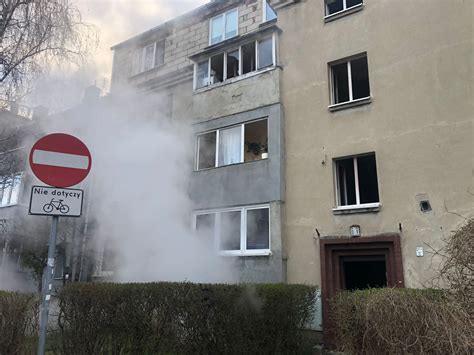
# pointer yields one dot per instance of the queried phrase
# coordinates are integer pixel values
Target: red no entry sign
(60, 160)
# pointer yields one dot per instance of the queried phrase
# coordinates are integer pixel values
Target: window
(268, 12)
(248, 58)
(148, 57)
(349, 80)
(223, 27)
(237, 144)
(10, 189)
(356, 181)
(236, 231)
(337, 6)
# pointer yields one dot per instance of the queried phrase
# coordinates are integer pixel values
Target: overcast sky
(116, 21)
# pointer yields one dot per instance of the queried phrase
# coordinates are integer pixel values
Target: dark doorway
(364, 272)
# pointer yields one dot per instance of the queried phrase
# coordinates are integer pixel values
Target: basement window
(148, 57)
(248, 58)
(334, 7)
(233, 145)
(349, 82)
(238, 231)
(223, 26)
(356, 182)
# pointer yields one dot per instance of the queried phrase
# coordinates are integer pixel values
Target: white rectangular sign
(52, 201)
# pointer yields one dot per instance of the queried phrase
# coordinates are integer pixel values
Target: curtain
(229, 146)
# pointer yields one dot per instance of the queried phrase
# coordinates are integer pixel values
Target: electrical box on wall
(420, 251)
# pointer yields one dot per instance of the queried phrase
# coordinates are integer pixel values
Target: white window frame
(240, 76)
(2, 188)
(242, 144)
(224, 14)
(344, 9)
(349, 78)
(264, 10)
(243, 230)
(357, 205)
(141, 52)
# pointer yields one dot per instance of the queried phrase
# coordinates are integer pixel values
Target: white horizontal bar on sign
(45, 157)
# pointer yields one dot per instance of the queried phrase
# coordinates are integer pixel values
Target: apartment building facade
(333, 138)
(216, 69)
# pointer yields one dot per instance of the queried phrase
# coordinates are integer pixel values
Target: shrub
(183, 318)
(388, 320)
(18, 322)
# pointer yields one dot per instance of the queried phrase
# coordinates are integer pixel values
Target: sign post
(59, 160)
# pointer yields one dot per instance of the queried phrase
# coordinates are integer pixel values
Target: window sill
(233, 80)
(224, 166)
(259, 252)
(142, 73)
(365, 208)
(343, 13)
(349, 104)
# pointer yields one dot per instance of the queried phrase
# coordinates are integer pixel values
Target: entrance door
(358, 263)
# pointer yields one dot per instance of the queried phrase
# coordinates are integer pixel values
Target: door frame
(332, 249)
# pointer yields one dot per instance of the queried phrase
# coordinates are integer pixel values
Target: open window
(356, 181)
(232, 145)
(223, 26)
(256, 140)
(338, 6)
(349, 80)
(238, 231)
(248, 58)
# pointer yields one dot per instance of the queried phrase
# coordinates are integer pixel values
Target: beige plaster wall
(419, 124)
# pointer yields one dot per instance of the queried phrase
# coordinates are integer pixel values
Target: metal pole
(46, 294)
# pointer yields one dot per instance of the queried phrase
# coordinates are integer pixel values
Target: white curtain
(230, 146)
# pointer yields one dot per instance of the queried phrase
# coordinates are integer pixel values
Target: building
(344, 125)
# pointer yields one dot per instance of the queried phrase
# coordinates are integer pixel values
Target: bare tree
(33, 32)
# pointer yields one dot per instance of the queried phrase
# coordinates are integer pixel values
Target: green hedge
(18, 322)
(183, 318)
(400, 321)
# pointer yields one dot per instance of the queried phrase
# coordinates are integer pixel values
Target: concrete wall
(419, 124)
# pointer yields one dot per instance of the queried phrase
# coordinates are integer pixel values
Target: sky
(59, 88)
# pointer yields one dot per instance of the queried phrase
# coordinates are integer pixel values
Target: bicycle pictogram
(56, 204)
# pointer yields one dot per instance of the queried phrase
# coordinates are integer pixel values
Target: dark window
(340, 83)
(206, 150)
(368, 185)
(258, 229)
(360, 78)
(364, 272)
(248, 58)
(350, 80)
(217, 68)
(357, 180)
(256, 140)
(230, 230)
(346, 182)
(333, 6)
(233, 64)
